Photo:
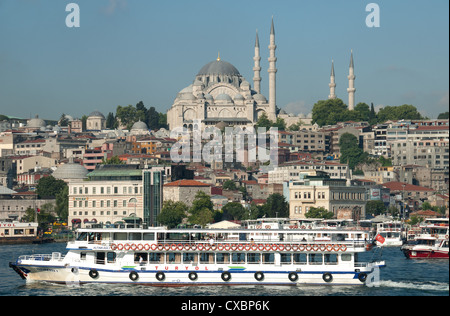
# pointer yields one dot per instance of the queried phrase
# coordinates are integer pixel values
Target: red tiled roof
(187, 183)
(398, 186)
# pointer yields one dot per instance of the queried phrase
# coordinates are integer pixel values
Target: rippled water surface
(401, 277)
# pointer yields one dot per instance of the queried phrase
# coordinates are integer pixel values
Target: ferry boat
(427, 247)
(183, 257)
(392, 233)
(14, 232)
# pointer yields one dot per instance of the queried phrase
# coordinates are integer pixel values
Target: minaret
(351, 85)
(257, 68)
(272, 75)
(332, 84)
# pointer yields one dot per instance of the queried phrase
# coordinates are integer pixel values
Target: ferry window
(100, 258)
(82, 256)
(82, 236)
(268, 258)
(223, 258)
(286, 258)
(238, 258)
(120, 236)
(331, 258)
(315, 258)
(140, 257)
(111, 257)
(346, 257)
(300, 258)
(156, 257)
(18, 231)
(135, 236)
(149, 236)
(190, 258)
(173, 257)
(253, 258)
(206, 257)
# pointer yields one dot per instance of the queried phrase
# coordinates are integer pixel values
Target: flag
(38, 210)
(380, 239)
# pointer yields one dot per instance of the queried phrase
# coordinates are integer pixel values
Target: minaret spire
(272, 75)
(351, 84)
(332, 84)
(257, 67)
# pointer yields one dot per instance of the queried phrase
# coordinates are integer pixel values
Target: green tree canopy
(234, 210)
(319, 212)
(328, 112)
(172, 213)
(350, 151)
(375, 208)
(402, 112)
(202, 210)
(276, 206)
(49, 187)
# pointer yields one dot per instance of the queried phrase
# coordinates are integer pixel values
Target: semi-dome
(223, 97)
(70, 171)
(259, 97)
(218, 67)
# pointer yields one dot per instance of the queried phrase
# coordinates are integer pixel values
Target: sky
(126, 51)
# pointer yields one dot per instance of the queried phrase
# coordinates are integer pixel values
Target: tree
(229, 185)
(62, 203)
(402, 112)
(319, 212)
(328, 112)
(350, 151)
(202, 209)
(49, 187)
(276, 206)
(235, 210)
(443, 116)
(375, 207)
(363, 111)
(172, 213)
(111, 121)
(115, 160)
(63, 120)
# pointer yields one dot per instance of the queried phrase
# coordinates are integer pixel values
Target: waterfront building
(320, 190)
(114, 192)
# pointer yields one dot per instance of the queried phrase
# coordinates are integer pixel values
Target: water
(401, 277)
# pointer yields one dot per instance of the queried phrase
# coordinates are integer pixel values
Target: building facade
(346, 202)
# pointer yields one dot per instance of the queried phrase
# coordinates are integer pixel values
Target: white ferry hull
(179, 275)
(229, 257)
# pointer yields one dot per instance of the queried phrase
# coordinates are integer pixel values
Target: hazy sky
(126, 51)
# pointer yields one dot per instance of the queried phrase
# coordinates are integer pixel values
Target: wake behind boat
(162, 257)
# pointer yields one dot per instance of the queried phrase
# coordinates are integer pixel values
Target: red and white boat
(427, 248)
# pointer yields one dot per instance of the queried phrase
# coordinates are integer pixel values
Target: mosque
(221, 96)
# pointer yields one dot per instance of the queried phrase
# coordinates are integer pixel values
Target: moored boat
(162, 257)
(427, 248)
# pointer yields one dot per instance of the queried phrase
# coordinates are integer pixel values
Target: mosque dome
(36, 122)
(218, 67)
(139, 126)
(70, 171)
(96, 114)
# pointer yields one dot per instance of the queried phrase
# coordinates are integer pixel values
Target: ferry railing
(240, 245)
(56, 256)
